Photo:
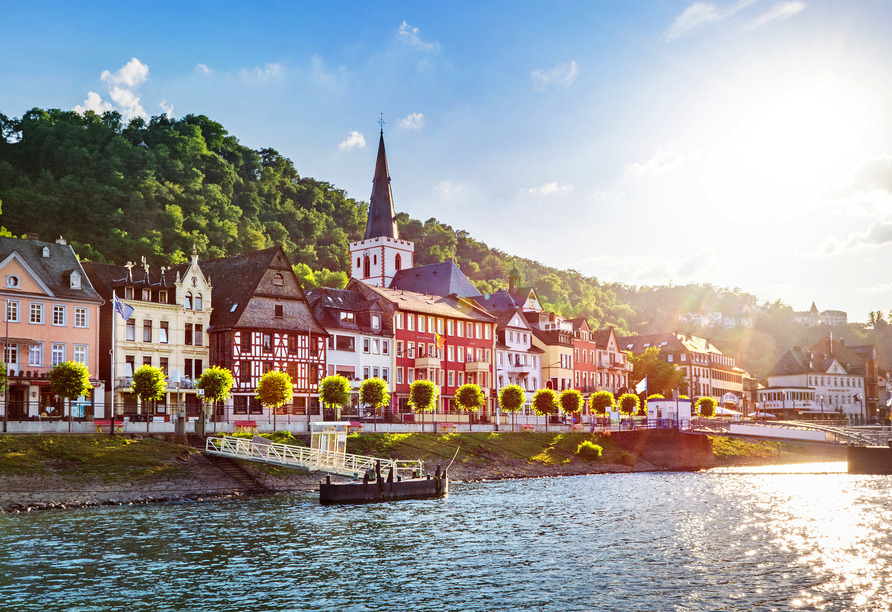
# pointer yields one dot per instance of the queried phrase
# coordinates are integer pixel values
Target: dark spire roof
(382, 218)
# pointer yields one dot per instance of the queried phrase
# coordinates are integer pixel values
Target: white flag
(641, 387)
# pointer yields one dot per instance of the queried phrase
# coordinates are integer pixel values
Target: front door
(18, 405)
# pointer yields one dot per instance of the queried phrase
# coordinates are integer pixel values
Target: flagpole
(113, 363)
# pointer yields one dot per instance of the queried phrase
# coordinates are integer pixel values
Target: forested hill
(119, 191)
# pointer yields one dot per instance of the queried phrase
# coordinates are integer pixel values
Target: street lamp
(822, 405)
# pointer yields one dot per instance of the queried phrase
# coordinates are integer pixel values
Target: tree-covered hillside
(154, 189)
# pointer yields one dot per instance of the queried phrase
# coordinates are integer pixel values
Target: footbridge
(803, 431)
(314, 459)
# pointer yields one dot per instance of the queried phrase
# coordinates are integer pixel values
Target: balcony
(477, 366)
(427, 362)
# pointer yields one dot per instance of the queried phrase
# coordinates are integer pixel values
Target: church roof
(435, 279)
(382, 217)
(497, 301)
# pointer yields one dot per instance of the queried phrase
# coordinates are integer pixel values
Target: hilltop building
(814, 318)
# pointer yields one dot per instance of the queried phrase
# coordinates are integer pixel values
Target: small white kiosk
(677, 410)
(328, 442)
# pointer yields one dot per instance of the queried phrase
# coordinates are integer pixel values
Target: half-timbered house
(262, 321)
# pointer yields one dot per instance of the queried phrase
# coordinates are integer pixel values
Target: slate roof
(437, 305)
(500, 300)
(235, 281)
(850, 360)
(435, 279)
(108, 277)
(382, 217)
(797, 361)
(54, 271)
(327, 303)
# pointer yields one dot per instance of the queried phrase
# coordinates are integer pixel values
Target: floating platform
(869, 459)
(376, 489)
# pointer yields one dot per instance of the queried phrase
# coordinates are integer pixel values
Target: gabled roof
(327, 303)
(382, 217)
(435, 279)
(410, 301)
(853, 362)
(580, 323)
(55, 271)
(602, 337)
(498, 301)
(236, 280)
(108, 277)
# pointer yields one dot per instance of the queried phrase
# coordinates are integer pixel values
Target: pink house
(51, 316)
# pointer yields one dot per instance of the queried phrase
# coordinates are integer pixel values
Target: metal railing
(313, 460)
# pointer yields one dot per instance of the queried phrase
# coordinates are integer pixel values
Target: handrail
(310, 459)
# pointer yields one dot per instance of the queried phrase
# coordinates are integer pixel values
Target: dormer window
(198, 302)
(188, 301)
(75, 280)
(128, 293)
(12, 281)
(162, 297)
(278, 280)
(376, 322)
(347, 317)
(46, 252)
(146, 295)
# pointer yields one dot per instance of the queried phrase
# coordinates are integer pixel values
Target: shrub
(706, 406)
(589, 451)
(627, 458)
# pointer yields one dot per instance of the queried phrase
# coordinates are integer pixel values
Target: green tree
(217, 384)
(628, 403)
(571, 401)
(706, 406)
(150, 384)
(4, 369)
(334, 392)
(70, 380)
(469, 397)
(601, 401)
(544, 403)
(662, 377)
(512, 399)
(373, 393)
(423, 396)
(274, 390)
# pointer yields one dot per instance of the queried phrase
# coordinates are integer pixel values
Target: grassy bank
(737, 452)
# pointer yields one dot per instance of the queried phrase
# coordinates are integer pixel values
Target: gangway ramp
(310, 459)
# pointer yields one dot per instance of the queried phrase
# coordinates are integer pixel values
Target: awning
(25, 341)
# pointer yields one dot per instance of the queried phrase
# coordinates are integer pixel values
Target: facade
(377, 258)
(553, 335)
(52, 316)
(585, 357)
(613, 366)
(709, 372)
(813, 317)
(167, 330)
(262, 321)
(360, 341)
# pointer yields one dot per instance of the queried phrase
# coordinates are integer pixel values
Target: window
(365, 373)
(12, 311)
(375, 373)
(365, 345)
(280, 311)
(163, 365)
(12, 281)
(245, 341)
(410, 350)
(129, 365)
(385, 374)
(410, 373)
(459, 328)
(58, 353)
(399, 320)
(486, 332)
(450, 327)
(147, 361)
(399, 376)
(267, 343)
(440, 326)
(188, 339)
(74, 281)
(346, 343)
(198, 302)
(146, 295)
(59, 314)
(162, 297)
(430, 351)
(198, 338)
(385, 347)
(366, 267)
(188, 301)
(244, 371)
(461, 353)
(80, 353)
(431, 325)
(347, 317)
(376, 322)
(292, 344)
(410, 322)
(479, 331)
(128, 293)
(80, 316)
(450, 353)
(11, 354)
(37, 312)
(130, 332)
(451, 378)
(398, 262)
(399, 348)
(146, 330)
(376, 347)
(278, 280)
(461, 379)
(35, 355)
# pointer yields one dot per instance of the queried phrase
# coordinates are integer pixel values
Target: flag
(641, 387)
(441, 340)
(125, 310)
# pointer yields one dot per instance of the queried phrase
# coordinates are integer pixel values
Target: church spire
(382, 218)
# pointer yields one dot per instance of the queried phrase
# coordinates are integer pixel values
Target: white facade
(826, 393)
(517, 362)
(375, 261)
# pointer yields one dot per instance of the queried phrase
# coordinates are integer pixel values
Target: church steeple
(382, 217)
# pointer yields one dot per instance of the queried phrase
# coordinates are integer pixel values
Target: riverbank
(61, 471)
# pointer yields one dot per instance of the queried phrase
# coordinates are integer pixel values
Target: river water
(808, 537)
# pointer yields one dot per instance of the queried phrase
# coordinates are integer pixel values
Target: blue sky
(744, 143)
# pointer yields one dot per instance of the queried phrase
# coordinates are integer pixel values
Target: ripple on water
(720, 540)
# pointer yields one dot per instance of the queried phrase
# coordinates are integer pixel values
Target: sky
(745, 143)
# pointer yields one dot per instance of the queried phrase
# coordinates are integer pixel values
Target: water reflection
(721, 540)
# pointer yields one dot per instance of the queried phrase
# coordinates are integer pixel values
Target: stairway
(247, 482)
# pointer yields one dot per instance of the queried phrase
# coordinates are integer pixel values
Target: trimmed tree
(469, 397)
(601, 401)
(545, 403)
(150, 385)
(571, 401)
(4, 382)
(274, 390)
(628, 403)
(374, 394)
(217, 384)
(423, 397)
(706, 406)
(334, 392)
(70, 380)
(511, 399)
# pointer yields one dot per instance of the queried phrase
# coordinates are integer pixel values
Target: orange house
(51, 316)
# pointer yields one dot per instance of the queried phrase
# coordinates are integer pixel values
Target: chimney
(842, 341)
(32, 237)
(61, 241)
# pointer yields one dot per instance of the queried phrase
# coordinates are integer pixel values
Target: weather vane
(381, 122)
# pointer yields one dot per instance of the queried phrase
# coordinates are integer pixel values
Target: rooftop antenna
(381, 123)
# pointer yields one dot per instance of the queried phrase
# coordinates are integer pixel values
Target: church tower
(375, 259)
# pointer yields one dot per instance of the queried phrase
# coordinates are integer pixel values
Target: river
(803, 537)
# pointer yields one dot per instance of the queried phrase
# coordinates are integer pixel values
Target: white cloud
(415, 121)
(878, 234)
(549, 189)
(452, 191)
(700, 13)
(132, 74)
(876, 288)
(94, 103)
(128, 103)
(167, 108)
(659, 163)
(202, 68)
(560, 76)
(258, 74)
(409, 35)
(355, 139)
(779, 12)
(698, 266)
